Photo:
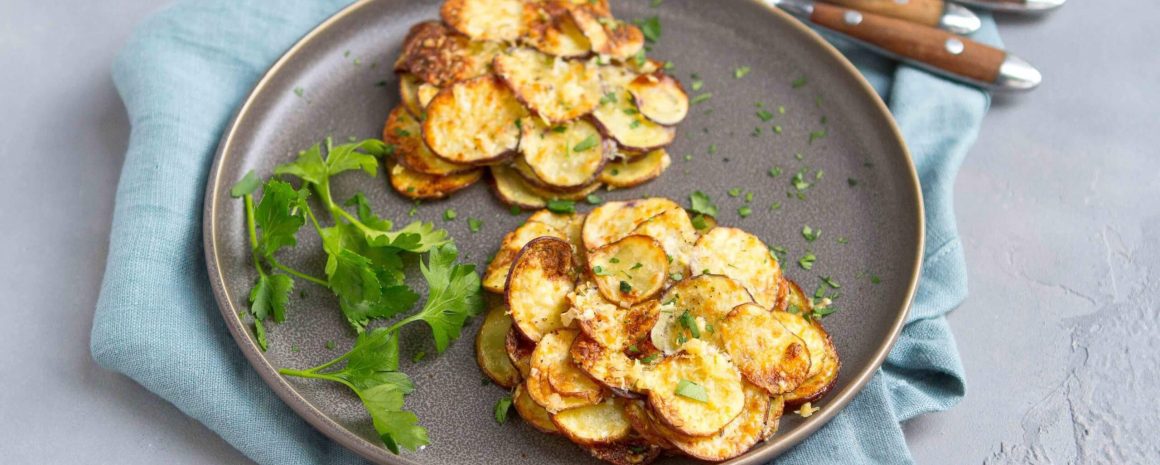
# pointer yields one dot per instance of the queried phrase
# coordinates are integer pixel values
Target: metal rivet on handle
(955, 46)
(852, 18)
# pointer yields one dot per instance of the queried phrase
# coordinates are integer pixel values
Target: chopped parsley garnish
(765, 115)
(744, 211)
(833, 283)
(799, 82)
(799, 182)
(606, 99)
(636, 266)
(651, 358)
(712, 149)
(777, 129)
(811, 234)
(474, 224)
(699, 222)
(807, 261)
(515, 210)
(697, 85)
(419, 356)
(594, 199)
(748, 197)
(599, 271)
(842, 240)
(817, 135)
(874, 279)
(655, 3)
(734, 192)
(625, 287)
(449, 214)
(851, 182)
(559, 129)
(701, 203)
(701, 98)
(650, 27)
(614, 260)
(691, 390)
(299, 91)
(775, 172)
(778, 250)
(502, 406)
(676, 276)
(330, 345)
(690, 323)
(741, 72)
(775, 206)
(586, 144)
(562, 206)
(781, 109)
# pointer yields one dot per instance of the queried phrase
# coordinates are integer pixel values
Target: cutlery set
(928, 34)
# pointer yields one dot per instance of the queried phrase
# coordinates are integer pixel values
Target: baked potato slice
(692, 309)
(555, 382)
(737, 437)
(795, 299)
(767, 354)
(491, 347)
(696, 392)
(495, 277)
(741, 256)
(565, 156)
(674, 230)
(611, 368)
(630, 270)
(497, 20)
(538, 285)
(438, 55)
(603, 423)
(532, 412)
(614, 220)
(415, 185)
(550, 29)
(473, 122)
(631, 451)
(403, 131)
(556, 90)
(519, 351)
(631, 172)
(569, 224)
(773, 418)
(618, 118)
(607, 35)
(512, 189)
(824, 361)
(409, 93)
(610, 325)
(660, 98)
(646, 425)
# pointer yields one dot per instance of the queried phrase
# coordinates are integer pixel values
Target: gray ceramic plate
(340, 68)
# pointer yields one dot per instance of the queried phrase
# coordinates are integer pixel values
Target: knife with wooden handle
(932, 13)
(1015, 6)
(933, 49)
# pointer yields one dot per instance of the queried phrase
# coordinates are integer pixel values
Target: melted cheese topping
(630, 270)
(614, 220)
(551, 152)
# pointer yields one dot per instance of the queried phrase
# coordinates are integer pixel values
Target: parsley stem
(253, 230)
(296, 273)
(310, 213)
(316, 375)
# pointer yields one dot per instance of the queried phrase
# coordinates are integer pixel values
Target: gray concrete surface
(1059, 207)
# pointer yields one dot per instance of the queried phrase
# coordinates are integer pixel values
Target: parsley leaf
(811, 234)
(807, 261)
(586, 144)
(502, 406)
(269, 297)
(562, 206)
(741, 72)
(691, 390)
(699, 202)
(650, 27)
(453, 295)
(247, 185)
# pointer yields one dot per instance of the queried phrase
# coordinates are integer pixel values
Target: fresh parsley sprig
(365, 271)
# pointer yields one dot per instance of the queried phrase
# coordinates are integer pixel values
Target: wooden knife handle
(926, 45)
(925, 12)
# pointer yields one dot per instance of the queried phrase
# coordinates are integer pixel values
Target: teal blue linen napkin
(187, 68)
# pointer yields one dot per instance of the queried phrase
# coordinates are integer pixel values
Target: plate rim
(374, 452)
